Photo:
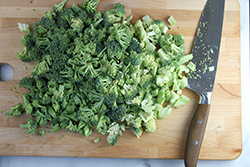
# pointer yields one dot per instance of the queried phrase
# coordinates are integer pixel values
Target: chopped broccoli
(171, 21)
(98, 71)
(90, 5)
(24, 27)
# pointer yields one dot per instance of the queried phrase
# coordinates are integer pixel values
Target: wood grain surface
(223, 136)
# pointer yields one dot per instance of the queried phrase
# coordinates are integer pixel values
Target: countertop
(242, 161)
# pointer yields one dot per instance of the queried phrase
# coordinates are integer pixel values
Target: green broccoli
(98, 71)
(90, 5)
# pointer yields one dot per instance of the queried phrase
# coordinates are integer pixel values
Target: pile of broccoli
(98, 70)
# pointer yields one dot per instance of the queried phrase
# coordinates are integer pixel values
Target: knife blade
(205, 56)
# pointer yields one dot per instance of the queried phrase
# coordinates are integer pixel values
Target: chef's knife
(205, 57)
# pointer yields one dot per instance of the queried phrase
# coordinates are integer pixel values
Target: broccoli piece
(39, 29)
(130, 91)
(50, 15)
(27, 103)
(121, 33)
(134, 45)
(15, 110)
(24, 27)
(119, 10)
(150, 125)
(23, 55)
(114, 15)
(137, 131)
(28, 40)
(117, 113)
(113, 132)
(165, 39)
(114, 49)
(147, 21)
(31, 126)
(59, 7)
(47, 22)
(85, 114)
(26, 82)
(146, 81)
(90, 5)
(55, 128)
(171, 21)
(153, 33)
(77, 25)
(140, 33)
(71, 127)
(162, 26)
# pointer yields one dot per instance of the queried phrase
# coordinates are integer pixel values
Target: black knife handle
(195, 135)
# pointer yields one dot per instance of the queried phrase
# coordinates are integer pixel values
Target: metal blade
(206, 47)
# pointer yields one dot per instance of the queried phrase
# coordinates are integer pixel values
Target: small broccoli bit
(171, 21)
(24, 27)
(99, 72)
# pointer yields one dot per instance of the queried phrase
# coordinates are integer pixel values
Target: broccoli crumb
(97, 140)
(61, 136)
(216, 128)
(34, 9)
(7, 145)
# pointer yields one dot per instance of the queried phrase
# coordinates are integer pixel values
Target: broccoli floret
(39, 29)
(146, 81)
(85, 114)
(150, 125)
(117, 113)
(162, 26)
(15, 110)
(119, 10)
(27, 103)
(58, 7)
(47, 22)
(31, 126)
(23, 55)
(165, 39)
(77, 24)
(130, 91)
(113, 15)
(90, 5)
(55, 128)
(27, 82)
(113, 132)
(153, 33)
(50, 15)
(121, 33)
(28, 40)
(114, 49)
(147, 21)
(134, 45)
(137, 131)
(140, 33)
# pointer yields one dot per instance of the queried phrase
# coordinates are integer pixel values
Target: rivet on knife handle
(195, 135)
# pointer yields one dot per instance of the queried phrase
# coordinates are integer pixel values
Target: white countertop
(242, 161)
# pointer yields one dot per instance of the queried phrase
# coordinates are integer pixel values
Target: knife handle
(195, 135)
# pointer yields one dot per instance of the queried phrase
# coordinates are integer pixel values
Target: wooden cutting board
(223, 137)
